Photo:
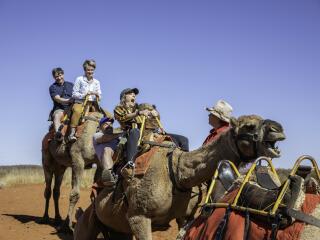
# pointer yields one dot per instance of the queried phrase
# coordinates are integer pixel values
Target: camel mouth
(272, 149)
(271, 144)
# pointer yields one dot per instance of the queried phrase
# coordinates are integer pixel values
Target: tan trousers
(76, 114)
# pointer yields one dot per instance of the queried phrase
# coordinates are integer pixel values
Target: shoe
(131, 164)
(72, 138)
(107, 178)
(58, 137)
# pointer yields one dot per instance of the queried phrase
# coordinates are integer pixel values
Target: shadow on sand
(27, 218)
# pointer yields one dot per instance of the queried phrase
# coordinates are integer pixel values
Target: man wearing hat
(219, 119)
(105, 143)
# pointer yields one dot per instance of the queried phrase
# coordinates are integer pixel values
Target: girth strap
(247, 226)
(275, 227)
(223, 225)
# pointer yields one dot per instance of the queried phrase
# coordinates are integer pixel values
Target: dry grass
(33, 174)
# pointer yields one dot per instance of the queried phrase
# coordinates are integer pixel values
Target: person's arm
(56, 97)
(59, 99)
(107, 137)
(98, 90)
(122, 116)
(76, 92)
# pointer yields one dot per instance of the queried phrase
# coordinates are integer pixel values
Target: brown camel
(56, 157)
(169, 189)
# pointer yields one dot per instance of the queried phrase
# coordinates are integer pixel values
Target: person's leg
(132, 144)
(76, 114)
(106, 159)
(181, 141)
(107, 164)
(57, 116)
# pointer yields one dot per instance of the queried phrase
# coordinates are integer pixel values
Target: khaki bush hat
(221, 110)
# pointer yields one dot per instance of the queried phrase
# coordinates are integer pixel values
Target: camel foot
(57, 221)
(65, 228)
(44, 220)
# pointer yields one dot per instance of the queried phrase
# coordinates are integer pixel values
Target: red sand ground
(21, 207)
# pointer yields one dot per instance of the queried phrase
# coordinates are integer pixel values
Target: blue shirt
(64, 91)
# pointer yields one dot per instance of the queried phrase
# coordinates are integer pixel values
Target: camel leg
(141, 227)
(48, 174)
(56, 193)
(77, 172)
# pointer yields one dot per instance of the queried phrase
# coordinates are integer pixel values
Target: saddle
(64, 129)
(262, 189)
(150, 143)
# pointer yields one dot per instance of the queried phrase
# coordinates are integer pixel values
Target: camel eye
(274, 129)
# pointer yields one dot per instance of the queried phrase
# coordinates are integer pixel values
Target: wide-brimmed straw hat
(221, 110)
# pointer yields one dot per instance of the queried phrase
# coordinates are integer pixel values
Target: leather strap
(298, 215)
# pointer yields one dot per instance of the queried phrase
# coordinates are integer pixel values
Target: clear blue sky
(261, 56)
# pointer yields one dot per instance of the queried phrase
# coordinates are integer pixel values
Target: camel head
(151, 121)
(257, 137)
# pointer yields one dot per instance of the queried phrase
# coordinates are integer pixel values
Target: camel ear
(233, 122)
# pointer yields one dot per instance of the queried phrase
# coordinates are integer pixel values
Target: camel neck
(198, 166)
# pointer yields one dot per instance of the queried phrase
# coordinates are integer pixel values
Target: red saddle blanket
(206, 228)
(142, 162)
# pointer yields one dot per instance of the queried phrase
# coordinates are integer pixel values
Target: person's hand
(93, 93)
(154, 113)
(144, 112)
(70, 100)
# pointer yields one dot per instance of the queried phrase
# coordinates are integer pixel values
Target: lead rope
(275, 227)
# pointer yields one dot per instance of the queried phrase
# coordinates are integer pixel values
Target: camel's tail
(79, 213)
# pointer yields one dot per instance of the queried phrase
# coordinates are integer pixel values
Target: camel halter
(253, 139)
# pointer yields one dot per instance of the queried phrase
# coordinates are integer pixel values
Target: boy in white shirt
(84, 86)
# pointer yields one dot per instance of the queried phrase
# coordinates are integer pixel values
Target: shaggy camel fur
(169, 189)
(58, 156)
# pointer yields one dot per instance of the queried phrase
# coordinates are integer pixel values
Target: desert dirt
(21, 208)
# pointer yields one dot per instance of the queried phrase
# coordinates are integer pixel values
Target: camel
(169, 189)
(301, 195)
(56, 157)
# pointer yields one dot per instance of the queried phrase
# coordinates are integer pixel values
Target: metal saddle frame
(284, 188)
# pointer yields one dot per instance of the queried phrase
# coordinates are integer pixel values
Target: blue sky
(261, 56)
